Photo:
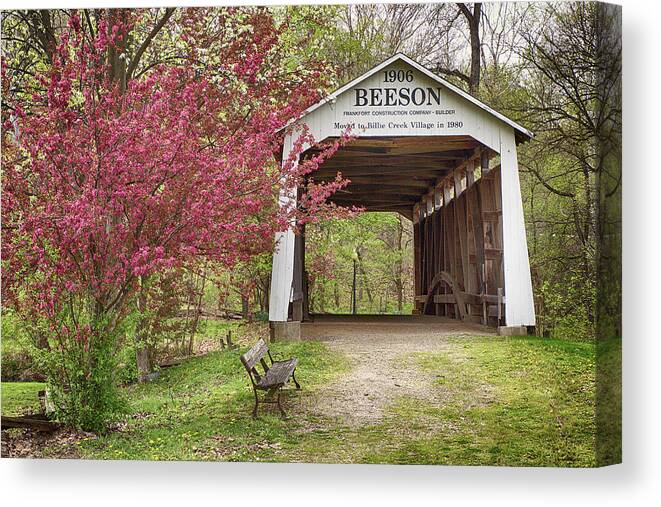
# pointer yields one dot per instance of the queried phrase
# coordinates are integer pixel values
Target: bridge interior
(447, 187)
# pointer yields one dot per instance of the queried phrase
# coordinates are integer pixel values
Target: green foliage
(566, 306)
(19, 398)
(17, 361)
(215, 328)
(126, 369)
(381, 244)
(81, 372)
(14, 335)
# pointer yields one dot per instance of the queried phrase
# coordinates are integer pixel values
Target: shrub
(81, 365)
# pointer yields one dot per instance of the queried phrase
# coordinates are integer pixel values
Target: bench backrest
(256, 355)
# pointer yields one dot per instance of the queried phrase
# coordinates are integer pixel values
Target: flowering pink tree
(108, 181)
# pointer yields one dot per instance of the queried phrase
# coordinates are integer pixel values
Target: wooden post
(484, 162)
(283, 257)
(483, 291)
(353, 290)
(438, 240)
(297, 283)
(416, 256)
(304, 278)
(299, 266)
(470, 173)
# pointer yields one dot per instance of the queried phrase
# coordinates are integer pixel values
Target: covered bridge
(435, 154)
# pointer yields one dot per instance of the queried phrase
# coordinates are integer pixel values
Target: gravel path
(378, 349)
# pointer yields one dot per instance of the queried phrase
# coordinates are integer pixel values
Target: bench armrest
(273, 361)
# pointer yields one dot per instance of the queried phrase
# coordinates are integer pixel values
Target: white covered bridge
(435, 154)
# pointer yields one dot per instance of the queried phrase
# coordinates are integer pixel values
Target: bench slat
(255, 354)
(278, 374)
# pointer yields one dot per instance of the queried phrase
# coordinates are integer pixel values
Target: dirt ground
(379, 350)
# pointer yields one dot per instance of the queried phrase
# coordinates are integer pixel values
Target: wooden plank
(429, 246)
(391, 182)
(401, 201)
(436, 259)
(398, 140)
(448, 245)
(498, 235)
(255, 354)
(278, 374)
(443, 299)
(473, 275)
(390, 158)
(470, 174)
(37, 422)
(420, 174)
(478, 234)
(416, 253)
(463, 240)
(367, 193)
(491, 216)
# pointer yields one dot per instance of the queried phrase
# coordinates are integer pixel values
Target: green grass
(201, 410)
(609, 401)
(20, 398)
(506, 401)
(491, 401)
(213, 328)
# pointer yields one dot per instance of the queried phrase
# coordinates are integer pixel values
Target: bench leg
(293, 376)
(282, 411)
(254, 410)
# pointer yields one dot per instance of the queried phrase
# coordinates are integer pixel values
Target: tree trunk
(321, 306)
(474, 29)
(245, 307)
(399, 268)
(142, 352)
(365, 285)
(198, 311)
(336, 295)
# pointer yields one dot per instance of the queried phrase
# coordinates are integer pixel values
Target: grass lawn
(492, 401)
(510, 401)
(20, 398)
(499, 401)
(201, 410)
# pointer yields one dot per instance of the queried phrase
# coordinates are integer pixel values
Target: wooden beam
(371, 190)
(421, 174)
(432, 159)
(372, 201)
(390, 182)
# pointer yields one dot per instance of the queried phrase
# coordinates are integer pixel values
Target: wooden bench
(274, 376)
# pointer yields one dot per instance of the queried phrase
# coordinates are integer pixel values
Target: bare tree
(472, 15)
(571, 82)
(377, 31)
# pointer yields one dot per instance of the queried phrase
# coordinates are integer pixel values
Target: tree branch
(145, 44)
(465, 11)
(455, 73)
